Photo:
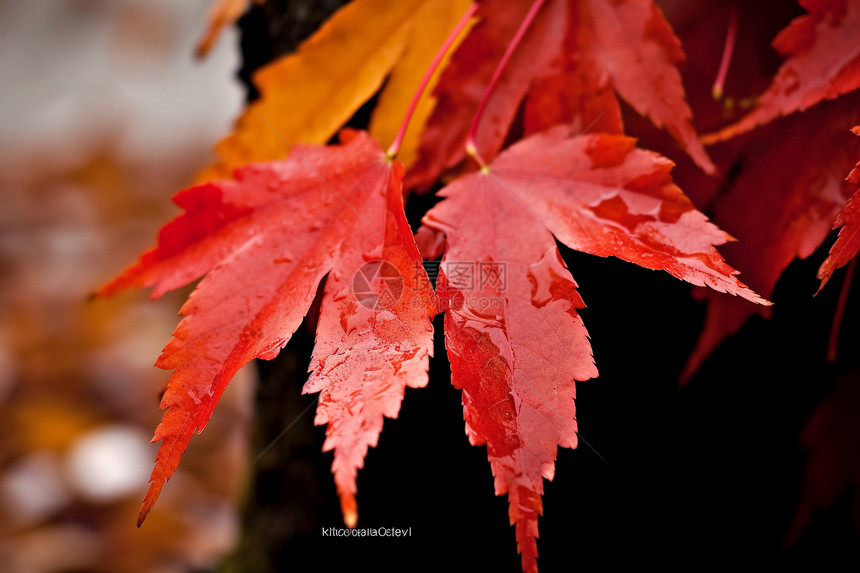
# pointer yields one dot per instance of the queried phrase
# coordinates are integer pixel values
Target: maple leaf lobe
(517, 362)
(847, 244)
(329, 206)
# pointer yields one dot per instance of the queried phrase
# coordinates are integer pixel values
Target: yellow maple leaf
(308, 95)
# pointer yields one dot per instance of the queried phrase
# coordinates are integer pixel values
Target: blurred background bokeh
(105, 113)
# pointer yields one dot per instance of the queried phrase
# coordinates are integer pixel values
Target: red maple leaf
(778, 215)
(514, 337)
(823, 63)
(568, 68)
(848, 244)
(264, 243)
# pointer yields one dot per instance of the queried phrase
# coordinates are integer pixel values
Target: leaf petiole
(440, 55)
(471, 147)
(728, 50)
